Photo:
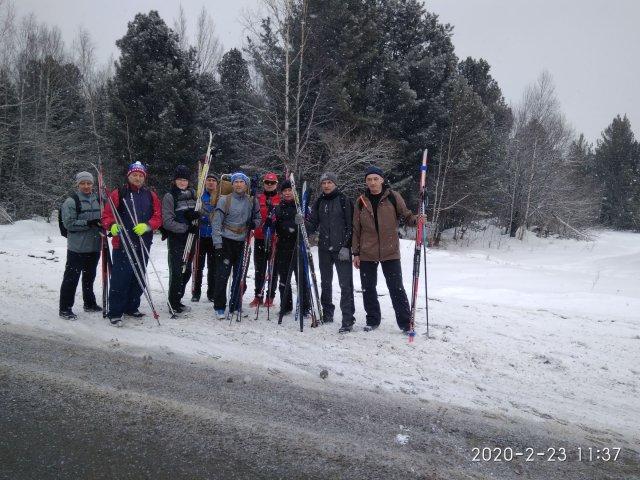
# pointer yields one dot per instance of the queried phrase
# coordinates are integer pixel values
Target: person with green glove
(141, 215)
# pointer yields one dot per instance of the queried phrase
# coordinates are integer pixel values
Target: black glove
(94, 223)
(267, 224)
(193, 229)
(250, 225)
(191, 215)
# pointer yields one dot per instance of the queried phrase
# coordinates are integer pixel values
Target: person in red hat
(268, 200)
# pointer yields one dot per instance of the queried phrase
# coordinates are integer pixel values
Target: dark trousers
(205, 254)
(327, 261)
(393, 275)
(77, 264)
(230, 258)
(177, 279)
(287, 265)
(260, 260)
(125, 290)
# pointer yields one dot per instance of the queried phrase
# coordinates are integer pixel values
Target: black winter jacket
(332, 217)
(286, 227)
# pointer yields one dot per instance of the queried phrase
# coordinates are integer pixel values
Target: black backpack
(63, 230)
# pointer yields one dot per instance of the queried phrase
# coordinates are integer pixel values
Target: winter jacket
(82, 238)
(144, 206)
(332, 216)
(383, 243)
(206, 213)
(244, 211)
(174, 203)
(285, 225)
(267, 201)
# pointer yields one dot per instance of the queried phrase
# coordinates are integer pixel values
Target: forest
(320, 85)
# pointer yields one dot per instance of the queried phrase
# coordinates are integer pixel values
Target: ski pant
(205, 252)
(260, 260)
(177, 279)
(124, 289)
(78, 263)
(287, 265)
(393, 275)
(327, 261)
(227, 258)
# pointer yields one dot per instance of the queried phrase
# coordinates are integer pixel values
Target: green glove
(141, 229)
(115, 229)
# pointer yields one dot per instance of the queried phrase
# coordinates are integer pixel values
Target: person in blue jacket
(205, 248)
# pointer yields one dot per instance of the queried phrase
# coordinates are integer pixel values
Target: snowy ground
(544, 329)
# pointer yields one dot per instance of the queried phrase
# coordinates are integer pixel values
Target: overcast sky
(591, 48)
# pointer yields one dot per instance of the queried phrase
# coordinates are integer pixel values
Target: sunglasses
(270, 182)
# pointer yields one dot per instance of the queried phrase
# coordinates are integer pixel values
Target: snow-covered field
(544, 329)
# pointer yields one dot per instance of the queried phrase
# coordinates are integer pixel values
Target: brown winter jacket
(383, 245)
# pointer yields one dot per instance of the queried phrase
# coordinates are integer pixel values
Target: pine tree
(153, 100)
(617, 164)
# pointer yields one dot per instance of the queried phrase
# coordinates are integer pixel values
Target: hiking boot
(182, 308)
(67, 314)
(256, 301)
(370, 328)
(195, 298)
(135, 314)
(344, 329)
(92, 308)
(268, 302)
(210, 299)
(116, 322)
(220, 314)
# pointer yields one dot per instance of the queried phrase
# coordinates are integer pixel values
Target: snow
(543, 329)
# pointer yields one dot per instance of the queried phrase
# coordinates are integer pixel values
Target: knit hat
(332, 177)
(84, 177)
(286, 184)
(271, 177)
(182, 171)
(373, 171)
(240, 176)
(137, 167)
(212, 175)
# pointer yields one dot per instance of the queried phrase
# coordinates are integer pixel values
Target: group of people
(363, 234)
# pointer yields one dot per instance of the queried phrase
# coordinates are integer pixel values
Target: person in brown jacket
(375, 241)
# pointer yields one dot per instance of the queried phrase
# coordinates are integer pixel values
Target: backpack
(391, 197)
(63, 230)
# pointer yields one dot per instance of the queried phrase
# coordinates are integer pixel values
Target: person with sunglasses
(268, 200)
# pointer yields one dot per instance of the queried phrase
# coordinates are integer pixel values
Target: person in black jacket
(332, 217)
(178, 215)
(289, 239)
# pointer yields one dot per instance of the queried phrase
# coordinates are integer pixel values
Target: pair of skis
(199, 192)
(310, 272)
(420, 245)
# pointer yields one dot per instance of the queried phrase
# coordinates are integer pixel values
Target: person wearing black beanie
(376, 242)
(179, 219)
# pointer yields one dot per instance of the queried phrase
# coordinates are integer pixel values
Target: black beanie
(182, 171)
(285, 184)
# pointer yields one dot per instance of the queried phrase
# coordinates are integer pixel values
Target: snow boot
(67, 314)
(256, 301)
(92, 308)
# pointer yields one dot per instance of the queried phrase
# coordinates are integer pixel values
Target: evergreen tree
(617, 164)
(153, 100)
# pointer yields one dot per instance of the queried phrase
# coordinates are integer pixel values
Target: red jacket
(264, 210)
(144, 205)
